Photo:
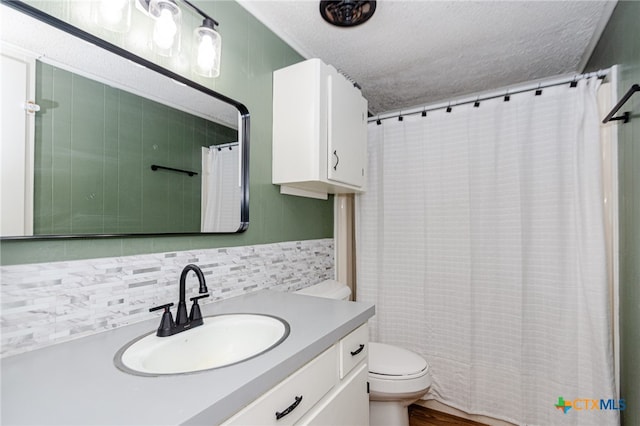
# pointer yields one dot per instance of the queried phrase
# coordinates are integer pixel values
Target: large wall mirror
(97, 141)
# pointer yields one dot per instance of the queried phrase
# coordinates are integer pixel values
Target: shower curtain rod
(626, 116)
(476, 100)
(224, 145)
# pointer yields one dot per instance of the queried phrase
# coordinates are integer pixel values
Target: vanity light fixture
(166, 29)
(206, 43)
(114, 15)
(206, 48)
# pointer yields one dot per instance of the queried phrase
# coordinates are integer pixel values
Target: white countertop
(77, 383)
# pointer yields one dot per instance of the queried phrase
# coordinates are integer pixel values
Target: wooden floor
(421, 416)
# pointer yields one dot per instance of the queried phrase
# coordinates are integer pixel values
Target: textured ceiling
(417, 52)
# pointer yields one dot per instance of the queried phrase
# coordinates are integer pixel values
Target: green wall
(250, 54)
(95, 145)
(620, 44)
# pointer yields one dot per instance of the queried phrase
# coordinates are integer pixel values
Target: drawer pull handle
(357, 351)
(335, 166)
(289, 409)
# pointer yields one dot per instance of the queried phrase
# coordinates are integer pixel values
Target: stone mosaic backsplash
(49, 303)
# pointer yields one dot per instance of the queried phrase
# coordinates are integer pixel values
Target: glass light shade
(113, 15)
(166, 28)
(205, 54)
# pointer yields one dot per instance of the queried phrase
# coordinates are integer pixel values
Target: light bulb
(206, 47)
(113, 15)
(206, 53)
(112, 11)
(164, 30)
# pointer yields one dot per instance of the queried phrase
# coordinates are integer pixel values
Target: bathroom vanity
(329, 390)
(77, 382)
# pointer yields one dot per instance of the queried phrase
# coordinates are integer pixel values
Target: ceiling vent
(347, 13)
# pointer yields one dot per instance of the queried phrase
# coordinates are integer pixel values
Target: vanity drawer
(310, 383)
(353, 349)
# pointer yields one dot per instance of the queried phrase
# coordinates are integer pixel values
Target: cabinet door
(16, 150)
(346, 132)
(347, 406)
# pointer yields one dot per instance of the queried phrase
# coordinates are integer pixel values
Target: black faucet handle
(195, 316)
(165, 307)
(167, 325)
(196, 298)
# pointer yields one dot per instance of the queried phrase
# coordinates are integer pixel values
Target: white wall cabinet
(319, 131)
(319, 393)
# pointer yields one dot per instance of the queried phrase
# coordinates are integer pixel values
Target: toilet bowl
(397, 376)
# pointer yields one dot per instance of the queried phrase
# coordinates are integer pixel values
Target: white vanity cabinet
(319, 131)
(325, 391)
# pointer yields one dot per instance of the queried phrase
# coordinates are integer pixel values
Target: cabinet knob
(31, 107)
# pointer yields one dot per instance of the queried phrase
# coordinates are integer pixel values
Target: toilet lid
(391, 360)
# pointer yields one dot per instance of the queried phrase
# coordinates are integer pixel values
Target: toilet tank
(330, 289)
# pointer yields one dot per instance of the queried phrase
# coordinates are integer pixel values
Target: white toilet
(397, 377)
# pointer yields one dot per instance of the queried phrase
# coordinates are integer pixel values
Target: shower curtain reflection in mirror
(220, 188)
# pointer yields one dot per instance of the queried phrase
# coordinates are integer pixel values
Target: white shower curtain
(220, 209)
(481, 241)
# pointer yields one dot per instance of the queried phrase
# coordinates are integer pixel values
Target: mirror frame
(243, 131)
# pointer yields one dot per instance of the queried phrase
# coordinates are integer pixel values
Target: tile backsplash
(49, 303)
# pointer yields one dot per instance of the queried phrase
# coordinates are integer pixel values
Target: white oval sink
(221, 341)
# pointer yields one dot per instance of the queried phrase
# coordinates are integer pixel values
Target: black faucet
(167, 326)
